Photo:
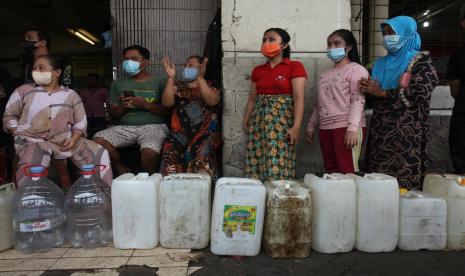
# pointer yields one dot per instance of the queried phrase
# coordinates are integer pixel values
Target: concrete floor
(107, 261)
(354, 263)
(99, 261)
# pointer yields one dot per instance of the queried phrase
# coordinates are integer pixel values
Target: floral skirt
(269, 156)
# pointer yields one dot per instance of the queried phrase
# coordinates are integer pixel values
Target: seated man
(135, 100)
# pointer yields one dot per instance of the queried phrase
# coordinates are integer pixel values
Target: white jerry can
(185, 211)
(422, 221)
(333, 199)
(288, 220)
(452, 189)
(135, 210)
(237, 216)
(377, 212)
(6, 228)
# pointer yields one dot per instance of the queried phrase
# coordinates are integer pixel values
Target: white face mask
(42, 78)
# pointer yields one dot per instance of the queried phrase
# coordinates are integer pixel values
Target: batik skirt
(269, 156)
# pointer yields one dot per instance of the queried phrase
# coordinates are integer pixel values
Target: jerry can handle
(189, 176)
(8, 187)
(330, 176)
(246, 181)
(287, 187)
(372, 176)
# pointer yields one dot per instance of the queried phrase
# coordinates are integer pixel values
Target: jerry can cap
(403, 191)
(462, 181)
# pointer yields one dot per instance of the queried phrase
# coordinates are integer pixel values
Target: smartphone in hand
(129, 93)
(127, 98)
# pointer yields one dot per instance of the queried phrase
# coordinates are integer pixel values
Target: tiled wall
(378, 11)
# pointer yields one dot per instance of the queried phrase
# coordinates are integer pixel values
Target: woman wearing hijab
(402, 81)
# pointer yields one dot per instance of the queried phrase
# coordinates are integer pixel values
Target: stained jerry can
(185, 211)
(288, 221)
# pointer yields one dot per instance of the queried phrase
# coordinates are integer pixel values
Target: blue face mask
(190, 73)
(392, 43)
(336, 54)
(131, 67)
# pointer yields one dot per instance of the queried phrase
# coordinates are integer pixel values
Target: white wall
(309, 22)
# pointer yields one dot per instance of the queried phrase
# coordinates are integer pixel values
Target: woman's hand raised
(203, 68)
(170, 70)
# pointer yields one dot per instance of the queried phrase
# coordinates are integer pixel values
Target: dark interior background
(444, 35)
(55, 17)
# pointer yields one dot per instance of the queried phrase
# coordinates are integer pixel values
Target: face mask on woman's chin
(42, 78)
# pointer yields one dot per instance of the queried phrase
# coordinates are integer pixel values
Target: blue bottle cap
(36, 169)
(88, 167)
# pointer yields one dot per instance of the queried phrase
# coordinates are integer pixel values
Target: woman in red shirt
(274, 111)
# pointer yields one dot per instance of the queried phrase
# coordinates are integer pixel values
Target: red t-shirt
(277, 80)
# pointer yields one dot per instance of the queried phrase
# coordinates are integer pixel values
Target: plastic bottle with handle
(38, 215)
(88, 210)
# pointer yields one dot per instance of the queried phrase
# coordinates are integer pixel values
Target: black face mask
(28, 46)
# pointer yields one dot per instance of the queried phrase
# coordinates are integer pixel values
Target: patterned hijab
(388, 69)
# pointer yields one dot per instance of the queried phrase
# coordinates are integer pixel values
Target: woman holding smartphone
(402, 82)
(274, 111)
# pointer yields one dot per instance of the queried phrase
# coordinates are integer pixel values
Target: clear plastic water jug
(88, 211)
(38, 215)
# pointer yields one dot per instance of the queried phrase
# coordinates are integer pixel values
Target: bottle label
(35, 226)
(239, 218)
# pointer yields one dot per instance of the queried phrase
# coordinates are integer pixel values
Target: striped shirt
(39, 116)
